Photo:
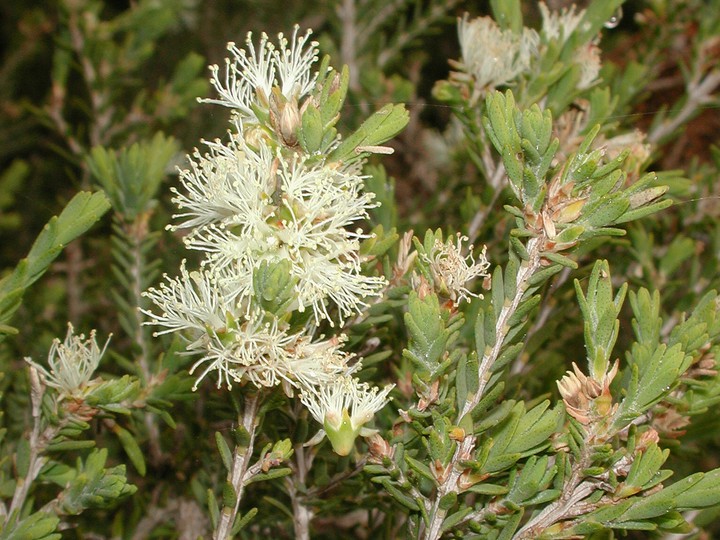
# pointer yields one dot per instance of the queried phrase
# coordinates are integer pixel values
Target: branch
(296, 483)
(464, 450)
(238, 473)
(699, 92)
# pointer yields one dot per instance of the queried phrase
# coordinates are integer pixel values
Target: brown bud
(468, 479)
(289, 123)
(379, 448)
(439, 471)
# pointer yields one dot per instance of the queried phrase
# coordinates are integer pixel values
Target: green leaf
(270, 475)
(382, 126)
(22, 457)
(132, 449)
(229, 495)
(94, 486)
(508, 14)
(420, 468)
(428, 335)
(213, 508)
(78, 216)
(403, 498)
(703, 494)
(131, 177)
(242, 520)
(645, 471)
(36, 526)
(489, 489)
(66, 446)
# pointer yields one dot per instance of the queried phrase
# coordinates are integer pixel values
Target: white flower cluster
(251, 76)
(450, 269)
(72, 363)
(255, 204)
(559, 25)
(246, 206)
(494, 57)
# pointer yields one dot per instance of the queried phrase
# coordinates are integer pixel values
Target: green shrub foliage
(427, 270)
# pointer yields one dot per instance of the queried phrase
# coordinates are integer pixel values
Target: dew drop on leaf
(614, 20)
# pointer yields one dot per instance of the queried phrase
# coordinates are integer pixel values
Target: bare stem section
(238, 475)
(301, 513)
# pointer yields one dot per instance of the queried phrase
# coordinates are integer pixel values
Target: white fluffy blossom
(251, 73)
(259, 209)
(452, 271)
(246, 206)
(72, 363)
(559, 25)
(343, 407)
(259, 350)
(493, 56)
(192, 303)
(588, 58)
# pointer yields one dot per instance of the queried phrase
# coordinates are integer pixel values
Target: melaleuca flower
(228, 184)
(491, 55)
(72, 363)
(238, 344)
(343, 407)
(251, 75)
(192, 304)
(588, 58)
(259, 350)
(247, 206)
(277, 229)
(452, 271)
(559, 25)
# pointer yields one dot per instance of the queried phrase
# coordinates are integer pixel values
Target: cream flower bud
(343, 407)
(72, 363)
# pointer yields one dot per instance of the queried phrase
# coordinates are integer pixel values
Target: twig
(566, 507)
(237, 477)
(101, 120)
(699, 93)
(421, 25)
(187, 515)
(348, 52)
(465, 448)
(301, 514)
(38, 441)
(381, 17)
(337, 479)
